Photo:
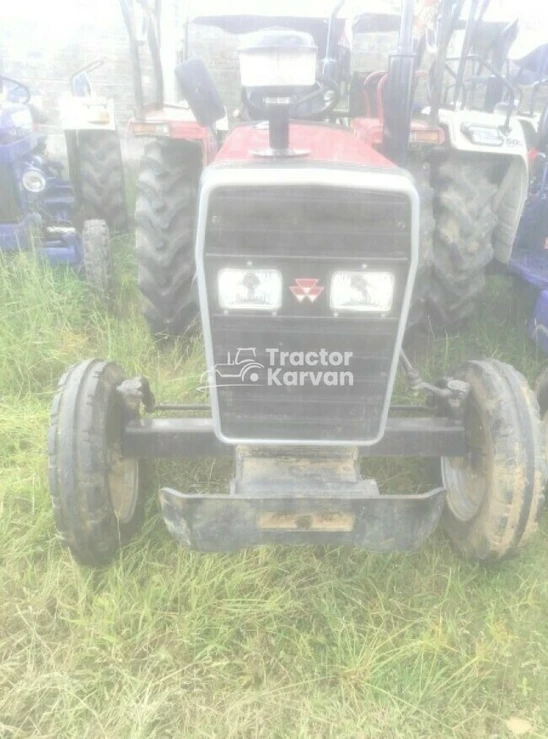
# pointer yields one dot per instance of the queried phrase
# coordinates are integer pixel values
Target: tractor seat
(371, 92)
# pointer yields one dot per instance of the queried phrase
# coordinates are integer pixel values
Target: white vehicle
(94, 154)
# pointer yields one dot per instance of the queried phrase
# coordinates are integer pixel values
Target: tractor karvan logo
(322, 368)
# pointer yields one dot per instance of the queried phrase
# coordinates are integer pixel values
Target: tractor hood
(320, 143)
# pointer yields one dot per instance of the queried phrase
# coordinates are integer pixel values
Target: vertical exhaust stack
(399, 90)
(274, 64)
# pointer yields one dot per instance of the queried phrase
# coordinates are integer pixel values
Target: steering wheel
(16, 92)
(302, 108)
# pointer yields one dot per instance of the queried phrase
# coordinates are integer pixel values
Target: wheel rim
(542, 398)
(123, 483)
(466, 479)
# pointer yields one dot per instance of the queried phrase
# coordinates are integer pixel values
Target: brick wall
(44, 48)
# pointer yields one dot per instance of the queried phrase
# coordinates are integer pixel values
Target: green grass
(308, 642)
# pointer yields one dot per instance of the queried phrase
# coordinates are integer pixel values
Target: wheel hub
(123, 482)
(466, 480)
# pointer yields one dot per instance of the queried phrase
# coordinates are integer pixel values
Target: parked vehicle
(307, 252)
(469, 160)
(37, 204)
(530, 256)
(94, 153)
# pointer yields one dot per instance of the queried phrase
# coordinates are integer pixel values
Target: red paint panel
(305, 282)
(368, 130)
(325, 143)
(179, 124)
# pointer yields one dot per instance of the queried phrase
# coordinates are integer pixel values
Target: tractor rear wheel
(97, 255)
(101, 178)
(495, 493)
(465, 221)
(97, 494)
(165, 216)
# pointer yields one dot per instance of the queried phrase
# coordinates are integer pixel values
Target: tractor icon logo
(241, 368)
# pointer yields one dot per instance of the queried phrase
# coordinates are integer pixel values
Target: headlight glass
(362, 292)
(483, 135)
(98, 114)
(34, 181)
(250, 289)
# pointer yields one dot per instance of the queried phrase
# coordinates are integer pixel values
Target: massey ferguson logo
(306, 288)
(321, 368)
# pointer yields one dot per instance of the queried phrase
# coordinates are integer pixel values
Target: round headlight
(34, 181)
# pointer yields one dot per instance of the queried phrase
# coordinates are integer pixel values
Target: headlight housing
(34, 181)
(278, 58)
(362, 292)
(483, 135)
(98, 114)
(250, 289)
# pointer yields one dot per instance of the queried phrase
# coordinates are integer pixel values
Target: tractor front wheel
(98, 267)
(96, 493)
(494, 494)
(165, 216)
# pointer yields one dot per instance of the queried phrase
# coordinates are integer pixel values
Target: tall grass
(309, 642)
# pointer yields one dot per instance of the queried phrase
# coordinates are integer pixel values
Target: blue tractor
(37, 204)
(530, 256)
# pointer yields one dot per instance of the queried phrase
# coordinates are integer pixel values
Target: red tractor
(302, 241)
(469, 160)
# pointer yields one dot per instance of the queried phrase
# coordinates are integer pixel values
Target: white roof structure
(528, 42)
(201, 10)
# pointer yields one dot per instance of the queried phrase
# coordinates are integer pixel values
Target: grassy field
(312, 642)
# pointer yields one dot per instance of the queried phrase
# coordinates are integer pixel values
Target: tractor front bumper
(297, 495)
(222, 523)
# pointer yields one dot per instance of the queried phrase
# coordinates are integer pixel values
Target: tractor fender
(87, 114)
(202, 136)
(179, 125)
(530, 129)
(512, 180)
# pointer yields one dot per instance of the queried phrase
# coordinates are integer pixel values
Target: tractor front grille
(307, 232)
(10, 202)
